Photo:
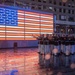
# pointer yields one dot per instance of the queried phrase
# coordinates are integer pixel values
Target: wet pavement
(25, 62)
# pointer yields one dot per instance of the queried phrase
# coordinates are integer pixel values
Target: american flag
(21, 24)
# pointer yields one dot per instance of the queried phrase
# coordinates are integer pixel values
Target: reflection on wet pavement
(25, 62)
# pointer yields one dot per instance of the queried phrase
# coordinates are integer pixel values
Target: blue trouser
(55, 61)
(47, 63)
(67, 63)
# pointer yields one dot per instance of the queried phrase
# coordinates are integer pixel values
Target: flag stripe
(28, 21)
(32, 26)
(14, 34)
(38, 28)
(21, 16)
(2, 28)
(46, 30)
(32, 13)
(20, 24)
(46, 15)
(15, 38)
(21, 20)
(31, 34)
(15, 29)
(33, 17)
(2, 33)
(2, 38)
(20, 11)
(47, 23)
(46, 33)
(47, 19)
(49, 27)
(31, 30)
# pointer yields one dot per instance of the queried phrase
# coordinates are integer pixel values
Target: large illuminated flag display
(17, 24)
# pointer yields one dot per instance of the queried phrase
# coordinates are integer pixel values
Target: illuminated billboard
(17, 24)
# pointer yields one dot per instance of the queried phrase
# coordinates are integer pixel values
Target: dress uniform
(41, 50)
(67, 53)
(55, 52)
(47, 52)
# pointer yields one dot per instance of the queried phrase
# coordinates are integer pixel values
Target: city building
(63, 10)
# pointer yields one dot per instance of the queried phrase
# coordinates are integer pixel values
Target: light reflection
(47, 56)
(72, 66)
(24, 61)
(55, 51)
(67, 52)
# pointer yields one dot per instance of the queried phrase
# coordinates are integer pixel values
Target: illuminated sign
(18, 24)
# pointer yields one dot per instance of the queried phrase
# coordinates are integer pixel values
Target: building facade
(63, 10)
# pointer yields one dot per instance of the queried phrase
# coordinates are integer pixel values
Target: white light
(55, 51)
(15, 36)
(33, 32)
(72, 66)
(50, 8)
(1, 36)
(14, 31)
(47, 56)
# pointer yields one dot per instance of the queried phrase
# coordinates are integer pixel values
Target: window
(72, 11)
(44, 7)
(73, 5)
(39, 7)
(44, 1)
(39, 0)
(64, 4)
(60, 3)
(54, 9)
(57, 29)
(71, 19)
(70, 30)
(33, 7)
(50, 1)
(64, 10)
(55, 2)
(60, 10)
(69, 11)
(62, 17)
(69, 5)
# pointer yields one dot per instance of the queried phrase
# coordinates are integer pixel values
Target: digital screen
(22, 25)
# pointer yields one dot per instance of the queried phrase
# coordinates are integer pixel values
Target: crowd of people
(56, 50)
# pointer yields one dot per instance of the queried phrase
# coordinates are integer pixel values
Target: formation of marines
(56, 50)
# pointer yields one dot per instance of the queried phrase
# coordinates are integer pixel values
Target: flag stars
(9, 16)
